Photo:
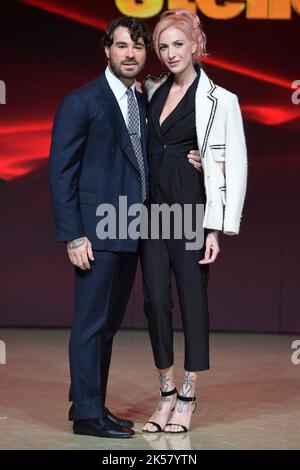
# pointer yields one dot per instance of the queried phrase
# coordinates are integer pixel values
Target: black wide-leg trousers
(160, 259)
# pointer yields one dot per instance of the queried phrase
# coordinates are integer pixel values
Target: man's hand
(195, 159)
(212, 248)
(80, 255)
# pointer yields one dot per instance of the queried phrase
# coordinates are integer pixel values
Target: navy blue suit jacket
(92, 162)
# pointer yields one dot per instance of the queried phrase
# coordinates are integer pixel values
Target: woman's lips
(173, 64)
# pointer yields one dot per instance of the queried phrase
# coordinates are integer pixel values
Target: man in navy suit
(98, 153)
(93, 161)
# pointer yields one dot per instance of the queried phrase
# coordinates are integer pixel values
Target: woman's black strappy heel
(158, 427)
(183, 428)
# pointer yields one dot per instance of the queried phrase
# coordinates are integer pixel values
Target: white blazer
(222, 146)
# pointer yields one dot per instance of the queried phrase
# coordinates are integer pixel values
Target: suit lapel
(157, 104)
(185, 106)
(112, 112)
(141, 99)
(206, 105)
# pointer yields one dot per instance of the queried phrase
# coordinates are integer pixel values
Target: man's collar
(118, 87)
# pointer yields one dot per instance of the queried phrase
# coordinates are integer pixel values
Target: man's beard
(119, 73)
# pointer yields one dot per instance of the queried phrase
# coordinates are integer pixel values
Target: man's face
(126, 58)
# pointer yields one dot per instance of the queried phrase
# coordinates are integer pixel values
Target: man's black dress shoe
(101, 427)
(124, 423)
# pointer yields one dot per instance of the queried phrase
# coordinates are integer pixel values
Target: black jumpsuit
(174, 180)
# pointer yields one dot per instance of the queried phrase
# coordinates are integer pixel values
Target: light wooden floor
(250, 398)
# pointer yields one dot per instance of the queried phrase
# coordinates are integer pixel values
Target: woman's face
(175, 50)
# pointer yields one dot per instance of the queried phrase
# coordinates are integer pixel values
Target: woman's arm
(235, 168)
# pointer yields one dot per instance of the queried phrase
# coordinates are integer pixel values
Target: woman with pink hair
(187, 110)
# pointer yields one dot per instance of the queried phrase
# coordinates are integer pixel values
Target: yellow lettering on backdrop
(282, 9)
(271, 9)
(255, 9)
(145, 9)
(220, 12)
(172, 4)
(296, 6)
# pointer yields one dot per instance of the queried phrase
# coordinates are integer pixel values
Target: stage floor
(249, 399)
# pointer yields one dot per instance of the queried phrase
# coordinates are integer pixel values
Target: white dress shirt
(119, 90)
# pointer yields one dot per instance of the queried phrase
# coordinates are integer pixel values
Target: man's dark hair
(136, 27)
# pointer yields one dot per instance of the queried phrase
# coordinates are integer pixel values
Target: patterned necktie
(133, 130)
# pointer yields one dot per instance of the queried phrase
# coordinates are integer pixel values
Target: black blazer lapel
(157, 104)
(185, 106)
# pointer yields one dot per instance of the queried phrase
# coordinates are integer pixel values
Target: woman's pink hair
(188, 23)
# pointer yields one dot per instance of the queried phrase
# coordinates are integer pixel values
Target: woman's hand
(138, 86)
(195, 159)
(212, 248)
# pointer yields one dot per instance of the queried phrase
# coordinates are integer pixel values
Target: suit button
(165, 146)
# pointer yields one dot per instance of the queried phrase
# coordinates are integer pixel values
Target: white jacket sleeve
(235, 168)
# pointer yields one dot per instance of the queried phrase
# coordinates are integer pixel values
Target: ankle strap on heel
(180, 397)
(167, 394)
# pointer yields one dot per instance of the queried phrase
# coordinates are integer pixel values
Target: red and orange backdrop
(49, 48)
